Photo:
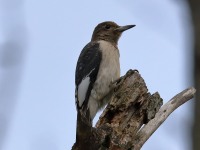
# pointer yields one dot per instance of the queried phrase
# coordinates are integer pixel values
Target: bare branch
(144, 134)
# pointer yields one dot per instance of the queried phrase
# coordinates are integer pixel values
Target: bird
(97, 67)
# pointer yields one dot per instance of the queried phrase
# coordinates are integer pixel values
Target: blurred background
(40, 42)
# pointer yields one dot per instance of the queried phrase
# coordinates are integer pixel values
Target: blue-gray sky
(44, 117)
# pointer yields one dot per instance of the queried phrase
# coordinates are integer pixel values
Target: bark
(130, 118)
(195, 11)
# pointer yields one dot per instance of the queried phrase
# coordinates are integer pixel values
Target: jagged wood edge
(133, 103)
(145, 133)
(98, 135)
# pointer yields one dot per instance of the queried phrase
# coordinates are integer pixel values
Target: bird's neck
(108, 45)
(106, 38)
(112, 42)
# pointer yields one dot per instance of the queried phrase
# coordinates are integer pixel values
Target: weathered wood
(122, 123)
(145, 132)
(127, 111)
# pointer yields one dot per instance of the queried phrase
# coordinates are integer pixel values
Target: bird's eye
(107, 27)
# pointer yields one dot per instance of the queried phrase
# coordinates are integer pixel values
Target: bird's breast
(109, 69)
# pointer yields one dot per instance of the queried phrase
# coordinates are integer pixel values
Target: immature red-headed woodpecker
(98, 65)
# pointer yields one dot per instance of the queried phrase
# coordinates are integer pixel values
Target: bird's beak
(124, 28)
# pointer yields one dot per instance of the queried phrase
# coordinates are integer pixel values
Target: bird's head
(109, 31)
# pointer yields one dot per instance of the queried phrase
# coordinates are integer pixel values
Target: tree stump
(129, 119)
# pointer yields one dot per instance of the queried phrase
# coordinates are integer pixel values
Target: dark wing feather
(88, 65)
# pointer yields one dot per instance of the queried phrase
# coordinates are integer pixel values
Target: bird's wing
(86, 72)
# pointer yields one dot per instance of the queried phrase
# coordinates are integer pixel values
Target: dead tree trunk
(130, 118)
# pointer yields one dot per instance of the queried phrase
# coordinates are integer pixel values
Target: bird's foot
(116, 83)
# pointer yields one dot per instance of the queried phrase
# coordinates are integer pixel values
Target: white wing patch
(82, 90)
